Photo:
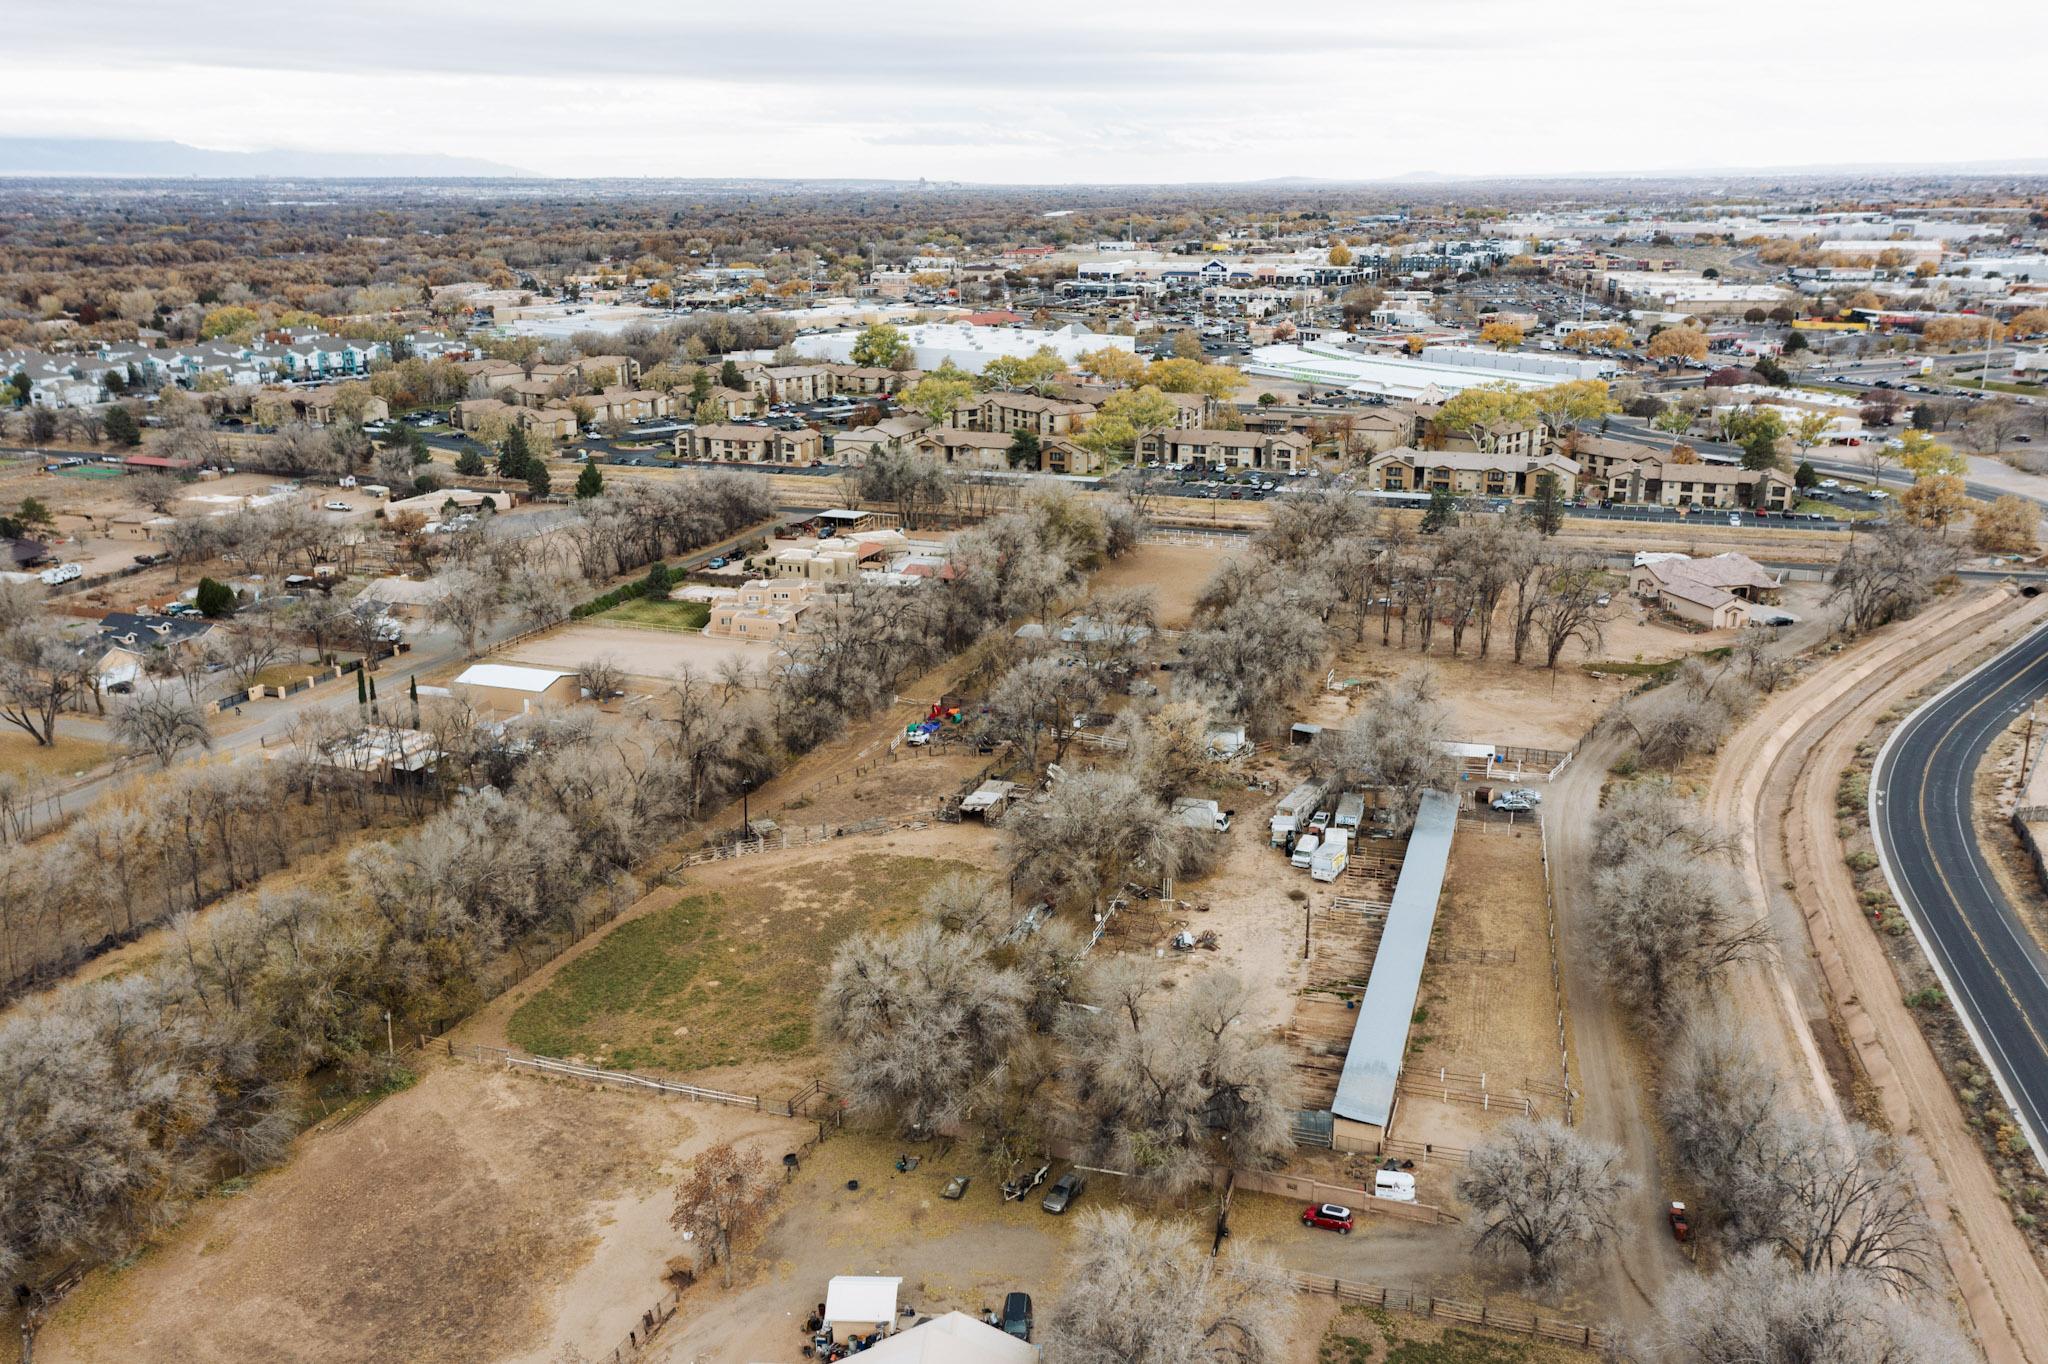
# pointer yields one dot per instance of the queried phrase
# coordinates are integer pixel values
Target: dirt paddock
(656, 654)
(479, 1216)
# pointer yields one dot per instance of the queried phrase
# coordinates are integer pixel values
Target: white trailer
(1393, 1185)
(1332, 856)
(1350, 810)
(1292, 814)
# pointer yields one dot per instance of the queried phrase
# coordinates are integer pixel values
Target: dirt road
(1614, 1085)
(1778, 778)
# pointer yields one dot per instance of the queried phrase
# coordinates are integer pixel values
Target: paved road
(1920, 809)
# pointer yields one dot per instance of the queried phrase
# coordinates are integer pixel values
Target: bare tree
(41, 676)
(1570, 608)
(1992, 425)
(722, 1197)
(1538, 1187)
(918, 1018)
(156, 491)
(247, 645)
(1842, 1199)
(467, 603)
(1142, 1292)
(1889, 573)
(1396, 746)
(602, 677)
(1691, 713)
(1665, 923)
(1095, 829)
(1174, 1085)
(1041, 696)
(1723, 1109)
(1760, 1310)
(162, 726)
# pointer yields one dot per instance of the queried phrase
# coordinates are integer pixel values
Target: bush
(1861, 860)
(1929, 998)
(214, 598)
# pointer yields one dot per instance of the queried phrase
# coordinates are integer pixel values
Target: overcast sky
(1049, 91)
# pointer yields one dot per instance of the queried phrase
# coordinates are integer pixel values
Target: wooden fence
(1479, 1314)
(802, 837)
(569, 1070)
(1564, 1053)
(1318, 1191)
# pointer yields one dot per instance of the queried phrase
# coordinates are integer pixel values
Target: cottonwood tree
(1041, 696)
(2009, 525)
(1760, 1310)
(1722, 1105)
(247, 645)
(1173, 1085)
(1255, 652)
(1538, 1187)
(1692, 713)
(1144, 1292)
(1888, 574)
(156, 491)
(41, 676)
(1841, 1198)
(1665, 924)
(918, 1018)
(723, 1196)
(602, 677)
(162, 726)
(1570, 608)
(1095, 829)
(1396, 746)
(466, 602)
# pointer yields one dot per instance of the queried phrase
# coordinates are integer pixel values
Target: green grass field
(722, 977)
(658, 615)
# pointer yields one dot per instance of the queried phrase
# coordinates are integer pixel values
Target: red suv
(1329, 1216)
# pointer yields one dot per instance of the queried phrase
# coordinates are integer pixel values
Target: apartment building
(728, 442)
(1281, 453)
(1468, 473)
(1012, 412)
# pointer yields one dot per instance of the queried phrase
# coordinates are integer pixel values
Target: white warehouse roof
(512, 677)
(969, 348)
(1316, 362)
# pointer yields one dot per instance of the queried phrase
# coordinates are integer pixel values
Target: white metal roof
(512, 677)
(861, 1298)
(955, 1338)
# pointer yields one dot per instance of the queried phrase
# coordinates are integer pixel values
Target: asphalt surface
(1990, 966)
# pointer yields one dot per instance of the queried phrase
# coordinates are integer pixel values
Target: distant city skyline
(1056, 93)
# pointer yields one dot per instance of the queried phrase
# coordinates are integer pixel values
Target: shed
(1372, 1065)
(860, 1302)
(955, 1338)
(513, 687)
(989, 799)
(1303, 732)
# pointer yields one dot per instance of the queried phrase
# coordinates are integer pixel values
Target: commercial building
(1451, 371)
(968, 348)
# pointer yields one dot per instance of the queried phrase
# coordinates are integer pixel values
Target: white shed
(860, 1302)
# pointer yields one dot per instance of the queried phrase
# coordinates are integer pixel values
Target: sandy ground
(1487, 1017)
(473, 1217)
(1175, 573)
(648, 654)
(1496, 701)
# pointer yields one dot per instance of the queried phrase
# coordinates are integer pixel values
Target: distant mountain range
(116, 157)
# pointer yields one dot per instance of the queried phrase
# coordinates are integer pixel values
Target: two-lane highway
(1920, 799)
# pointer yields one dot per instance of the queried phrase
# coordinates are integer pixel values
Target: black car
(1017, 1315)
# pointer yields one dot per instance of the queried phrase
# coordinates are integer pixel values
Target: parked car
(1329, 1216)
(1017, 1315)
(1511, 804)
(336, 504)
(1064, 1191)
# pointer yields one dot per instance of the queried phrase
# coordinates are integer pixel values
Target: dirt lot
(1177, 573)
(653, 655)
(1486, 1006)
(472, 1217)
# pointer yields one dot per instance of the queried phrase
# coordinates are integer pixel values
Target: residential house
(1662, 483)
(1282, 453)
(726, 441)
(21, 553)
(1468, 473)
(766, 609)
(128, 642)
(1714, 593)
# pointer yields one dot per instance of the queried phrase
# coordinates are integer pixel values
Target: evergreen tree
(538, 481)
(469, 463)
(1442, 512)
(515, 455)
(659, 579)
(700, 386)
(1547, 510)
(589, 483)
(214, 598)
(122, 428)
(729, 376)
(1805, 476)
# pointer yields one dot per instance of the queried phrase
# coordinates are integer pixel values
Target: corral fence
(1564, 1054)
(1479, 1314)
(570, 1070)
(803, 837)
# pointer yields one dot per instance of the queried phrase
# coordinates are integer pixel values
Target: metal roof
(1365, 1091)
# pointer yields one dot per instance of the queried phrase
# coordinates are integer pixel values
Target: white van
(1305, 851)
